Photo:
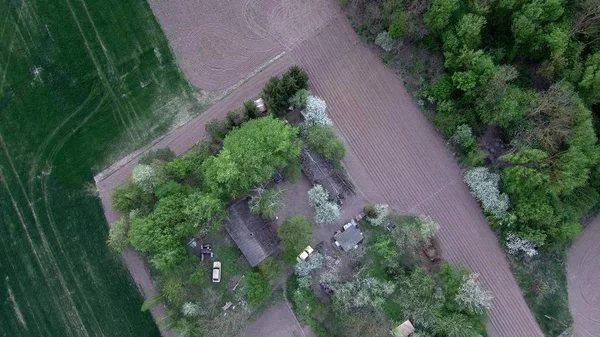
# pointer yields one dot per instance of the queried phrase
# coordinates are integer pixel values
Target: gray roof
(349, 238)
(254, 236)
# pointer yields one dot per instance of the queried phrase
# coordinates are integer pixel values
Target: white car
(216, 274)
(305, 254)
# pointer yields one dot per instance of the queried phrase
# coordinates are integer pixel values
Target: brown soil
(583, 275)
(394, 154)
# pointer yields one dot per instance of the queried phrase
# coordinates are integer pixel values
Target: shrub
(257, 288)
(292, 172)
(471, 295)
(169, 188)
(397, 30)
(304, 268)
(191, 309)
(316, 112)
(251, 109)
(295, 233)
(386, 41)
(117, 236)
(300, 99)
(217, 129)
(163, 155)
(322, 140)
(463, 137)
(266, 203)
(236, 117)
(484, 187)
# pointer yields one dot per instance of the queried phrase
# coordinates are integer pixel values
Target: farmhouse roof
(320, 172)
(349, 238)
(254, 236)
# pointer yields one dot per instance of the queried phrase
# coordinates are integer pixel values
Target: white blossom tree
(362, 292)
(316, 112)
(317, 196)
(146, 177)
(304, 268)
(517, 245)
(471, 294)
(484, 187)
(327, 213)
(382, 211)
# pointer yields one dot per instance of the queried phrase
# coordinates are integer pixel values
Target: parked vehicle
(305, 254)
(216, 274)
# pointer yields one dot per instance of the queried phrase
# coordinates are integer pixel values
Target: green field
(81, 83)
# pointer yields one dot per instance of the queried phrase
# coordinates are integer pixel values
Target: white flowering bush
(316, 112)
(385, 41)
(428, 228)
(484, 187)
(517, 245)
(191, 309)
(471, 294)
(145, 176)
(463, 134)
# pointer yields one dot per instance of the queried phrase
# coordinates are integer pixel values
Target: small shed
(254, 236)
(404, 330)
(260, 104)
(349, 238)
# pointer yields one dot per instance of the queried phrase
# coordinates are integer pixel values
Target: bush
(517, 245)
(163, 155)
(484, 187)
(277, 92)
(117, 236)
(170, 188)
(377, 215)
(236, 117)
(257, 288)
(217, 129)
(362, 293)
(316, 112)
(295, 233)
(322, 140)
(386, 41)
(292, 172)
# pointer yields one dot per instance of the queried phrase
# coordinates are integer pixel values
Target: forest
(514, 87)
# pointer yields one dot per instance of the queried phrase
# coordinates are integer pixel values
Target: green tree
(217, 129)
(589, 86)
(322, 140)
(439, 14)
(468, 30)
(249, 156)
(251, 109)
(205, 210)
(129, 197)
(295, 233)
(257, 288)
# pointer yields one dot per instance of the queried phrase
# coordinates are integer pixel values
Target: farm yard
(76, 92)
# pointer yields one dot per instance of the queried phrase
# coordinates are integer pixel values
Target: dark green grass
(80, 83)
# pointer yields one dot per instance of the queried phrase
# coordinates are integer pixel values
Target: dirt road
(395, 156)
(583, 274)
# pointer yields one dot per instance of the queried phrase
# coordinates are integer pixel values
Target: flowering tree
(359, 293)
(304, 268)
(117, 235)
(472, 295)
(484, 187)
(316, 111)
(517, 245)
(326, 212)
(146, 177)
